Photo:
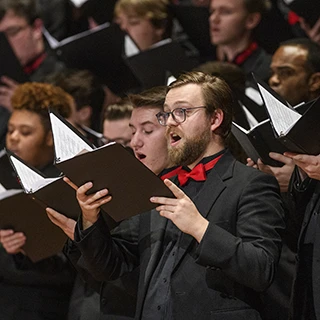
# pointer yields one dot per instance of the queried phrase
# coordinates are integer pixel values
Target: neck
(212, 149)
(231, 50)
(38, 50)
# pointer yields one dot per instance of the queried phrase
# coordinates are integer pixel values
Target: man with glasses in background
(20, 22)
(209, 250)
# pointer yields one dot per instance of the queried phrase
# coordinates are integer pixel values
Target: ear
(49, 139)
(314, 83)
(84, 114)
(216, 119)
(37, 28)
(253, 20)
(159, 32)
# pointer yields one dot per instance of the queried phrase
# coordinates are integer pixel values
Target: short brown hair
(38, 97)
(155, 10)
(230, 72)
(216, 94)
(28, 9)
(117, 111)
(153, 97)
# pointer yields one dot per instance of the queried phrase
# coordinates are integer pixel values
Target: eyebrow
(177, 103)
(142, 124)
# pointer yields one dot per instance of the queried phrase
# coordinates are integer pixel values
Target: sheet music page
(2, 188)
(30, 179)
(250, 118)
(282, 117)
(130, 48)
(78, 3)
(67, 144)
(171, 79)
(8, 193)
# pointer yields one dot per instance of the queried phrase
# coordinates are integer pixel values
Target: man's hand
(309, 164)
(282, 174)
(66, 224)
(7, 88)
(182, 212)
(12, 241)
(89, 204)
(251, 163)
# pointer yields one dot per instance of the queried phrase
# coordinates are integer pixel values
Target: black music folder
(47, 192)
(298, 133)
(257, 111)
(259, 140)
(20, 213)
(10, 65)
(111, 166)
(8, 177)
(99, 50)
(152, 66)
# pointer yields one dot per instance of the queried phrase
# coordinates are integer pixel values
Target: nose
(12, 138)
(274, 80)
(136, 141)
(214, 17)
(171, 122)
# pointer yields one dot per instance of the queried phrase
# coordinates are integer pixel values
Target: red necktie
(198, 173)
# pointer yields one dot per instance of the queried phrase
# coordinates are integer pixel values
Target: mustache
(171, 131)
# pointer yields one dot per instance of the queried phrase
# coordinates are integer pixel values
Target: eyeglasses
(178, 115)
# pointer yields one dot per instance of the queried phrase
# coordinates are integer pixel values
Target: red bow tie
(198, 173)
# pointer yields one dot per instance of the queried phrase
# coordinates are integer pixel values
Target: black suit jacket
(218, 278)
(307, 203)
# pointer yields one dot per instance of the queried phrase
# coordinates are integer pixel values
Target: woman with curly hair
(33, 290)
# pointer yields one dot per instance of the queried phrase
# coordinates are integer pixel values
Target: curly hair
(38, 97)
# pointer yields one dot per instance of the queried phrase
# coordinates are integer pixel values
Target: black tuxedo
(218, 278)
(306, 287)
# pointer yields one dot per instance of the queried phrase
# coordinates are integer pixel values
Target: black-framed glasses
(179, 115)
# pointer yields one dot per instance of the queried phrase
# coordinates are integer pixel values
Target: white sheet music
(30, 179)
(78, 3)
(171, 79)
(282, 117)
(2, 188)
(130, 48)
(67, 144)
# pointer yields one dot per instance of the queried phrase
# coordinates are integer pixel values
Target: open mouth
(140, 156)
(174, 138)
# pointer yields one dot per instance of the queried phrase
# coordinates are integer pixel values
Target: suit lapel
(206, 198)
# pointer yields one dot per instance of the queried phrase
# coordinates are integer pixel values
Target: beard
(191, 150)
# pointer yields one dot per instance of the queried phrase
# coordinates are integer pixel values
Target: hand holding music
(89, 204)
(308, 163)
(12, 241)
(66, 224)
